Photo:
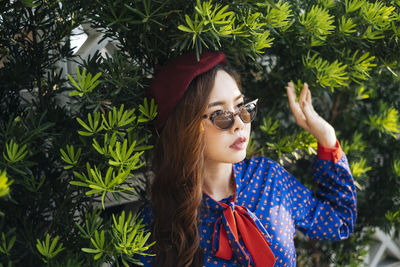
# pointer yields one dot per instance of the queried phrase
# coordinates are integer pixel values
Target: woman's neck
(218, 182)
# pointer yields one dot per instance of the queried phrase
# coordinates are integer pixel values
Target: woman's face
(225, 146)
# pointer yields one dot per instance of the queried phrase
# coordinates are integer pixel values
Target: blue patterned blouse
(279, 204)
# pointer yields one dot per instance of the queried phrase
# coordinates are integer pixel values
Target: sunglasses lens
(245, 116)
(248, 113)
(223, 120)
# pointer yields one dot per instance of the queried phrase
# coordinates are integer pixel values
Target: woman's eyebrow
(220, 103)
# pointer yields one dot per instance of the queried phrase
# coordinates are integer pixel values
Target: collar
(234, 221)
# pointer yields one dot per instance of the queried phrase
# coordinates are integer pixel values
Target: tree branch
(335, 108)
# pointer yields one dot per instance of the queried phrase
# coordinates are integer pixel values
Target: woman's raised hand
(308, 119)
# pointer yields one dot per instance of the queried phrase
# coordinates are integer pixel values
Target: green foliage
(353, 5)
(207, 19)
(356, 144)
(362, 93)
(327, 74)
(85, 84)
(346, 26)
(317, 23)
(98, 242)
(118, 119)
(94, 125)
(396, 167)
(289, 144)
(279, 16)
(394, 219)
(70, 157)
(49, 250)
(213, 22)
(7, 245)
(148, 113)
(123, 239)
(386, 121)
(94, 180)
(44, 143)
(131, 237)
(358, 168)
(4, 184)
(14, 153)
(122, 157)
(67, 163)
(92, 222)
(7, 242)
(28, 3)
(269, 127)
(377, 14)
(360, 67)
(108, 143)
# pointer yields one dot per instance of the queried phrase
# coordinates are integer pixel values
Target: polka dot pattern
(279, 204)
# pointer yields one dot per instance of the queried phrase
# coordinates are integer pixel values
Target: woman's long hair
(177, 188)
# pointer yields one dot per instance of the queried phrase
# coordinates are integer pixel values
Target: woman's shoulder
(257, 162)
(255, 167)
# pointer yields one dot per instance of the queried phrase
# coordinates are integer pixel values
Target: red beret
(172, 80)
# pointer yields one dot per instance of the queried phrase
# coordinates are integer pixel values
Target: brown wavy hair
(176, 192)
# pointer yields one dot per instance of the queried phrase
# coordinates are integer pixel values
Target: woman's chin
(238, 156)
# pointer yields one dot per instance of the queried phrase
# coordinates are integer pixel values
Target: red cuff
(327, 153)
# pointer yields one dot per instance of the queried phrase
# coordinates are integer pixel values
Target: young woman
(212, 207)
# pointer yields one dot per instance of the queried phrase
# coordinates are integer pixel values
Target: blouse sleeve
(145, 213)
(330, 213)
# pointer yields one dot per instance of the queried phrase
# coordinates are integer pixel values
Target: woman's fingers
(291, 95)
(309, 113)
(308, 98)
(295, 107)
(303, 93)
(302, 110)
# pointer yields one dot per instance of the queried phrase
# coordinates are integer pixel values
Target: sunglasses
(224, 119)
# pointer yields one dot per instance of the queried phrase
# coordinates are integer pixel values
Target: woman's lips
(239, 143)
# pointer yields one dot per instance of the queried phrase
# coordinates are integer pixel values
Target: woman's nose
(238, 123)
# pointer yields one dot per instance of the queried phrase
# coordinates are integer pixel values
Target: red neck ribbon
(240, 221)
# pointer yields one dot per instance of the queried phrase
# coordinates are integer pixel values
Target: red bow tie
(238, 220)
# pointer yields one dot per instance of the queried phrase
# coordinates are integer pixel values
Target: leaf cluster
(122, 240)
(49, 250)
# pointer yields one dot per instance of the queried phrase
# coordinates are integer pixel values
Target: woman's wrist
(326, 137)
(329, 142)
